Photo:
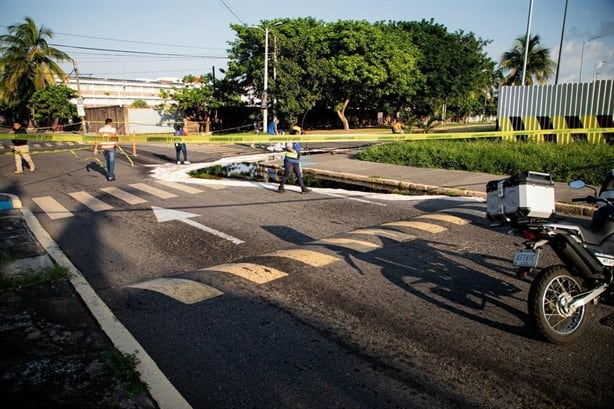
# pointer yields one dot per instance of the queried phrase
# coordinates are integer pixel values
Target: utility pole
(265, 92)
(80, 108)
(558, 63)
(526, 44)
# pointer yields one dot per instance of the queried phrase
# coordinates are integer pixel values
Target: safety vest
(293, 155)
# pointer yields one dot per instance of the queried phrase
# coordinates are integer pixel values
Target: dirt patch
(53, 354)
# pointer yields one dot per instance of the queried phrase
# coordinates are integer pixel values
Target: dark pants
(180, 147)
(290, 167)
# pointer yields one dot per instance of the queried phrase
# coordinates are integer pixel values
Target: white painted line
(181, 187)
(390, 234)
(312, 258)
(123, 195)
(52, 207)
(164, 215)
(358, 245)
(471, 212)
(255, 273)
(185, 291)
(161, 389)
(445, 217)
(153, 191)
(90, 201)
(431, 228)
(351, 198)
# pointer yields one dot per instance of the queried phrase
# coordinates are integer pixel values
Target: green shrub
(11, 282)
(124, 369)
(565, 162)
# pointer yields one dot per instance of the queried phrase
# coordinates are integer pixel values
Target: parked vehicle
(560, 294)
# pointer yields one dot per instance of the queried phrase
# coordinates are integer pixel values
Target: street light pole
(582, 55)
(558, 63)
(597, 65)
(265, 92)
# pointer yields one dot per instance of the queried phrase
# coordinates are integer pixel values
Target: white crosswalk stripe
(55, 210)
(90, 201)
(153, 191)
(123, 195)
(52, 207)
(178, 186)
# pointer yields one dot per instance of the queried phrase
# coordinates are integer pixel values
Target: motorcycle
(560, 294)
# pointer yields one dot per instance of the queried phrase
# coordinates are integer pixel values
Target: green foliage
(139, 103)
(384, 66)
(565, 162)
(53, 103)
(12, 282)
(539, 67)
(27, 64)
(124, 368)
(196, 99)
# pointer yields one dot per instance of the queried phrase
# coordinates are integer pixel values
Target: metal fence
(559, 107)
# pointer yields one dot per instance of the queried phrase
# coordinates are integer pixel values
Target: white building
(100, 92)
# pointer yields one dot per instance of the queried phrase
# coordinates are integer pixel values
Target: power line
(131, 41)
(233, 13)
(139, 52)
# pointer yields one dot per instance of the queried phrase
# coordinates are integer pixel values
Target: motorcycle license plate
(526, 258)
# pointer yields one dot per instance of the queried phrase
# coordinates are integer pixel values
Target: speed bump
(255, 273)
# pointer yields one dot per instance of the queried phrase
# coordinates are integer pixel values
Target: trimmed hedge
(565, 162)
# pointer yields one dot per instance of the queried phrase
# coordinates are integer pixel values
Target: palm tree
(539, 65)
(27, 64)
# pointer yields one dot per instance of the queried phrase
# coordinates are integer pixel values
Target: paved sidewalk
(427, 179)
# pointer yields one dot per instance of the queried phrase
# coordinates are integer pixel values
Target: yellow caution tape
(316, 137)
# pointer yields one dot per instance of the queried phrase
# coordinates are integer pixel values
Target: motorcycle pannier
(527, 195)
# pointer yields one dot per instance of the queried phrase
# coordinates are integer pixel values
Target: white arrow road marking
(185, 291)
(165, 215)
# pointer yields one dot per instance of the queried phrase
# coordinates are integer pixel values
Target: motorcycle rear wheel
(551, 290)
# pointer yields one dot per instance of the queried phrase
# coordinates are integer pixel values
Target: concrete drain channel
(256, 171)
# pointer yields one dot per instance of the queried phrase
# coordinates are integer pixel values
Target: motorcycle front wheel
(549, 297)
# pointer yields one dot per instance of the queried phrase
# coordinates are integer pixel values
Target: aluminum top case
(524, 196)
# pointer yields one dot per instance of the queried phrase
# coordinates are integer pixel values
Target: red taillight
(528, 234)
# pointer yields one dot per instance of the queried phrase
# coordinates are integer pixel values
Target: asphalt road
(248, 298)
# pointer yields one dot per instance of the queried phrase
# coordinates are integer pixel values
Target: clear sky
(197, 31)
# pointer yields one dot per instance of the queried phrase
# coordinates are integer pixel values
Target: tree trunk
(341, 115)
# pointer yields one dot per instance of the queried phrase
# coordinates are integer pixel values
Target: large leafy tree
(362, 67)
(454, 66)
(366, 65)
(196, 100)
(540, 67)
(27, 64)
(51, 105)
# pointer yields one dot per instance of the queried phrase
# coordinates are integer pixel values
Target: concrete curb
(561, 208)
(9, 201)
(160, 388)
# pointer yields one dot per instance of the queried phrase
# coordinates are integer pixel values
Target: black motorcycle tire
(546, 315)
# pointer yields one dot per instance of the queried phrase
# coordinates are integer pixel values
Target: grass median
(565, 162)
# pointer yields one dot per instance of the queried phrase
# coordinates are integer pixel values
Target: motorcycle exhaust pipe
(575, 256)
